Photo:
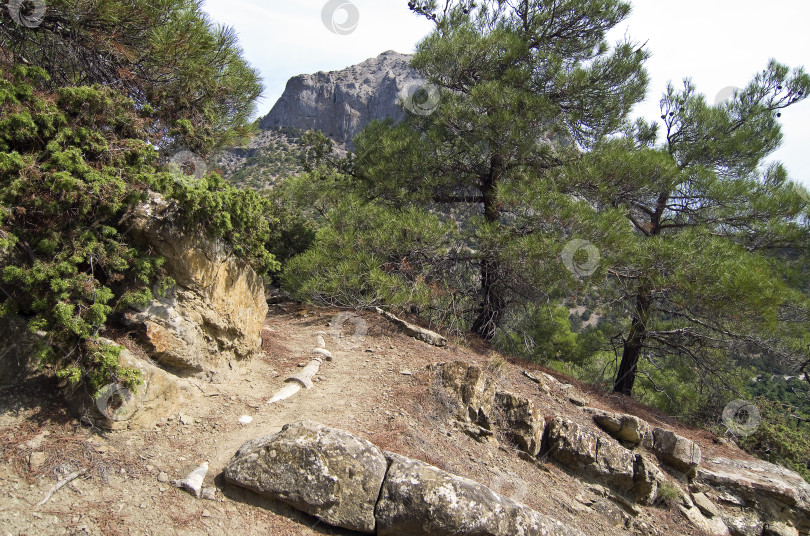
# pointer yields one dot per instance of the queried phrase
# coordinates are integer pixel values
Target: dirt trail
(375, 388)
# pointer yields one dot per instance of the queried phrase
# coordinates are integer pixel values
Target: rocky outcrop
(647, 478)
(215, 312)
(578, 448)
(520, 421)
(756, 491)
(324, 472)
(469, 390)
(628, 429)
(349, 483)
(341, 103)
(421, 500)
(482, 409)
(723, 497)
(678, 452)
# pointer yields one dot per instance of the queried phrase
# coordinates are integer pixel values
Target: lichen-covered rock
(421, 500)
(626, 428)
(324, 472)
(774, 493)
(580, 449)
(742, 523)
(706, 506)
(521, 421)
(571, 444)
(616, 464)
(776, 528)
(217, 309)
(676, 451)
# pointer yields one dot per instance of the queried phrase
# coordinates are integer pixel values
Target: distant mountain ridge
(341, 103)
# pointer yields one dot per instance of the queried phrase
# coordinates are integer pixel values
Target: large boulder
(217, 309)
(421, 500)
(676, 451)
(775, 494)
(571, 444)
(327, 473)
(626, 428)
(521, 421)
(580, 449)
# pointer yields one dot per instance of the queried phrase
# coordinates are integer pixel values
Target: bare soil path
(376, 387)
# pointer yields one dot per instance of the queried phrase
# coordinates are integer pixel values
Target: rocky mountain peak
(341, 103)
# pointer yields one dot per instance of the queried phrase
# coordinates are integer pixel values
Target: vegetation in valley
(272, 156)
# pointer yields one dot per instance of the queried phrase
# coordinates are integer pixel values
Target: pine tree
(704, 271)
(515, 90)
(164, 55)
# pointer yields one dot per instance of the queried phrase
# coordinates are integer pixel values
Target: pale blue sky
(719, 43)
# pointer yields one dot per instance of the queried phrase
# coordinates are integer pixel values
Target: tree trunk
(490, 310)
(633, 345)
(492, 306)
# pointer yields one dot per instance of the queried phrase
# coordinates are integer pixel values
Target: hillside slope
(377, 387)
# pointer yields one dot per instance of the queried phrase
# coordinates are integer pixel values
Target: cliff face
(341, 103)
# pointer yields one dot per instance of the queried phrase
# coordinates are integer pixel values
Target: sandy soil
(376, 388)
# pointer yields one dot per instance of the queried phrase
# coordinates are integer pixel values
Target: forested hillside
(525, 202)
(517, 204)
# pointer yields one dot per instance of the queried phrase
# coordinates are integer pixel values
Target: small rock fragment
(163, 476)
(36, 460)
(193, 482)
(244, 420)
